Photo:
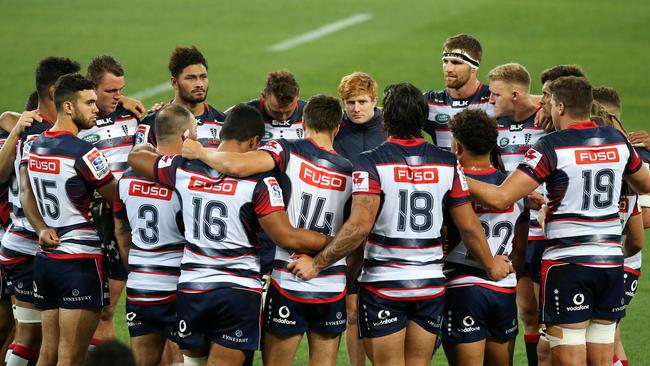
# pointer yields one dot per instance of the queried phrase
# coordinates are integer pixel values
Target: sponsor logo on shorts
(237, 337)
(597, 156)
(131, 321)
(339, 321)
(182, 328)
(578, 300)
(284, 313)
(384, 318)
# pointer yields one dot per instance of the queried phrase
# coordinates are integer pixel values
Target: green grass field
(401, 42)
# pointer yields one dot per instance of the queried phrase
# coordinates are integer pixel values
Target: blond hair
(511, 73)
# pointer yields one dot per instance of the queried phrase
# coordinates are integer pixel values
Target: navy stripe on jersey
(403, 242)
(289, 129)
(155, 269)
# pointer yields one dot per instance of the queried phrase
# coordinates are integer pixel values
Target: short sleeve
(279, 151)
(459, 192)
(119, 209)
(24, 148)
(267, 197)
(538, 161)
(93, 167)
(144, 133)
(634, 162)
(164, 169)
(365, 178)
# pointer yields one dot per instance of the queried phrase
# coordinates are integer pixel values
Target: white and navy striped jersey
(583, 167)
(461, 269)
(318, 186)
(416, 182)
(630, 206)
(290, 129)
(157, 241)
(113, 136)
(64, 172)
(208, 127)
(442, 107)
(220, 215)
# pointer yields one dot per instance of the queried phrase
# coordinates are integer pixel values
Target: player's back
(416, 182)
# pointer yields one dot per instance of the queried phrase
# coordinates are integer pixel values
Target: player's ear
(254, 142)
(50, 92)
(68, 107)
(174, 83)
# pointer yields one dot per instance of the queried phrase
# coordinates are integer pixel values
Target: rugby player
(362, 129)
(20, 242)
(6, 314)
(149, 231)
(70, 286)
(319, 186)
(189, 77)
(461, 58)
(219, 290)
(483, 330)
(112, 134)
(400, 191)
(583, 247)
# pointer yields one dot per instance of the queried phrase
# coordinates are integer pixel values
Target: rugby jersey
(157, 241)
(416, 182)
(629, 206)
(220, 215)
(317, 188)
(4, 199)
(64, 172)
(583, 167)
(461, 269)
(442, 107)
(289, 129)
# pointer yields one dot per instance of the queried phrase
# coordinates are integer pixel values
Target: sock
(625, 362)
(531, 348)
(8, 354)
(194, 361)
(22, 356)
(94, 343)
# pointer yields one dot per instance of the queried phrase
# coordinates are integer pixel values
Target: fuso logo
(600, 156)
(44, 165)
(150, 190)
(415, 175)
(226, 186)
(321, 179)
(480, 209)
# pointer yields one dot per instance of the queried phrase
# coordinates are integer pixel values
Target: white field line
(153, 91)
(320, 32)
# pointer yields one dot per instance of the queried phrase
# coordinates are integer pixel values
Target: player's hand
(144, 147)
(544, 121)
(536, 200)
(541, 215)
(155, 107)
(192, 149)
(48, 239)
(26, 119)
(303, 267)
(133, 105)
(639, 139)
(501, 267)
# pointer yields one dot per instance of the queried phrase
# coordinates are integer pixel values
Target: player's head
(474, 134)
(608, 97)
(554, 73)
(74, 97)
(405, 111)
(571, 99)
(32, 101)
(280, 94)
(108, 74)
(461, 58)
(509, 84)
(359, 94)
(189, 70)
(601, 115)
(322, 114)
(171, 123)
(48, 71)
(244, 125)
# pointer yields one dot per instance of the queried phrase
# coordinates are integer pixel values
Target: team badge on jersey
(360, 181)
(141, 134)
(165, 161)
(27, 146)
(275, 192)
(532, 158)
(461, 176)
(272, 146)
(97, 163)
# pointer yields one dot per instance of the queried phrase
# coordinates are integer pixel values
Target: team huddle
(243, 230)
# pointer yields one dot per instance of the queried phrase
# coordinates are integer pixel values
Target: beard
(190, 98)
(83, 122)
(458, 82)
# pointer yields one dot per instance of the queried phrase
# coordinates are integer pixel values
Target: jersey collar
(402, 142)
(582, 125)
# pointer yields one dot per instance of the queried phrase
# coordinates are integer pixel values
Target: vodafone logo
(383, 314)
(182, 326)
(130, 316)
(468, 321)
(411, 175)
(284, 312)
(633, 285)
(200, 184)
(599, 156)
(578, 299)
(150, 190)
(44, 165)
(321, 178)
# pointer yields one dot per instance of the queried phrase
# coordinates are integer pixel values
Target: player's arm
(107, 190)
(634, 235)
(230, 163)
(143, 160)
(279, 229)
(8, 120)
(516, 186)
(133, 105)
(47, 237)
(640, 138)
(472, 234)
(8, 151)
(123, 237)
(520, 242)
(352, 234)
(639, 180)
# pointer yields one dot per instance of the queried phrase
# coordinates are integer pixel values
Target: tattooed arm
(352, 234)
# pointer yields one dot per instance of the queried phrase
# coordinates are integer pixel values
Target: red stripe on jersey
(73, 256)
(632, 271)
(308, 301)
(145, 303)
(402, 142)
(505, 290)
(407, 298)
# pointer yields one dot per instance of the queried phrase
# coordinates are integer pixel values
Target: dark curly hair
(475, 130)
(282, 85)
(559, 71)
(67, 87)
(405, 111)
(183, 57)
(50, 69)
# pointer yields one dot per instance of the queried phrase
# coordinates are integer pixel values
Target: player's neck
(170, 148)
(197, 109)
(47, 109)
(566, 121)
(471, 162)
(525, 109)
(233, 146)
(65, 123)
(323, 139)
(466, 90)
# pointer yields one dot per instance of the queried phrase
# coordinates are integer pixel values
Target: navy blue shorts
(70, 282)
(146, 319)
(533, 259)
(227, 316)
(572, 293)
(116, 270)
(379, 317)
(288, 317)
(20, 277)
(475, 313)
(631, 278)
(5, 290)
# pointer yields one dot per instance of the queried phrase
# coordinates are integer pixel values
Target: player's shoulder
(492, 175)
(37, 128)
(483, 91)
(643, 154)
(215, 114)
(122, 113)
(436, 96)
(150, 117)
